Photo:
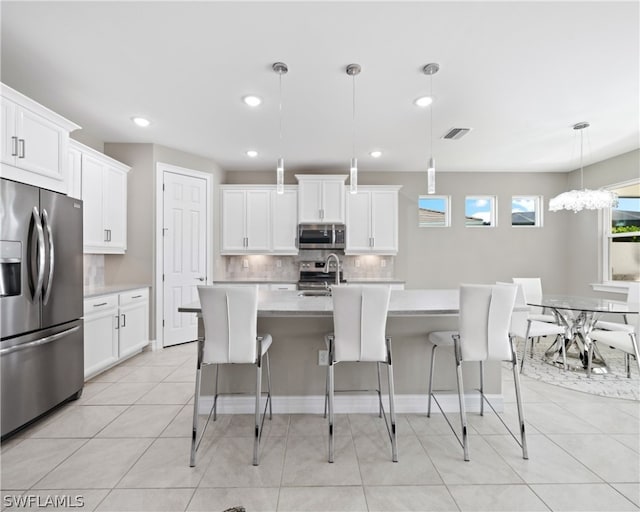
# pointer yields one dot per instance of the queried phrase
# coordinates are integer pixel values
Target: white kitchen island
(298, 325)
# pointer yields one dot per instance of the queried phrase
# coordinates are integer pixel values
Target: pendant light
(583, 199)
(431, 69)
(352, 71)
(280, 68)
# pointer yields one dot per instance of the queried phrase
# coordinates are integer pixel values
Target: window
(622, 244)
(480, 211)
(526, 211)
(433, 211)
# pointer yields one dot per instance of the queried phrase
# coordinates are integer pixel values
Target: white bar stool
(483, 335)
(359, 321)
(230, 325)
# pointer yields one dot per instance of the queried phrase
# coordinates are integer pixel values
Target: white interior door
(185, 252)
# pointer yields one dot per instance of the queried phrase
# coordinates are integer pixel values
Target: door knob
(201, 278)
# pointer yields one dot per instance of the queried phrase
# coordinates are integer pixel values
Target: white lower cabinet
(116, 326)
(134, 321)
(100, 334)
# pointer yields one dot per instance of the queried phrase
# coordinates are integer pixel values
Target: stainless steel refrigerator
(41, 300)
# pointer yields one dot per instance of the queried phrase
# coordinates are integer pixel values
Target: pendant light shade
(352, 71)
(583, 199)
(282, 69)
(431, 69)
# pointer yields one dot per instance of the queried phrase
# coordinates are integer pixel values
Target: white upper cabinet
(284, 225)
(34, 143)
(257, 220)
(372, 220)
(103, 182)
(246, 220)
(321, 199)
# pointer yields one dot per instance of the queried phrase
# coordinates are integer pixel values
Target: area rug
(612, 384)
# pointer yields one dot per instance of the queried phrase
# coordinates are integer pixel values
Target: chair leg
(563, 348)
(269, 386)
(634, 344)
(433, 356)
(194, 431)
(330, 373)
(256, 441)
(627, 364)
(215, 395)
(392, 408)
(463, 413)
(526, 340)
(516, 381)
(326, 392)
(481, 388)
(379, 392)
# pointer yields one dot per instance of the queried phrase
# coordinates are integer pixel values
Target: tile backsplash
(286, 268)
(93, 270)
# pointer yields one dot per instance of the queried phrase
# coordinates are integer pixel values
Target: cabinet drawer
(100, 303)
(138, 295)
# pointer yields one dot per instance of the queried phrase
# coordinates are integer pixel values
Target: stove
(313, 277)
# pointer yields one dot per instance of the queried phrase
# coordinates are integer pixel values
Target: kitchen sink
(314, 293)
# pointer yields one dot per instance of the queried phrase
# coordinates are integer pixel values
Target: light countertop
(94, 291)
(402, 303)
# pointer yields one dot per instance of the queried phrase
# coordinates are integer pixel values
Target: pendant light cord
(280, 112)
(581, 153)
(353, 117)
(431, 116)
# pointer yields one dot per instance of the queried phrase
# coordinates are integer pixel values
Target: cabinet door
(40, 146)
(333, 192)
(258, 215)
(284, 225)
(74, 173)
(384, 222)
(94, 234)
(114, 217)
(134, 327)
(358, 223)
(233, 222)
(309, 201)
(100, 339)
(9, 145)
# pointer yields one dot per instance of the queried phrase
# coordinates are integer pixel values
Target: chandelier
(583, 199)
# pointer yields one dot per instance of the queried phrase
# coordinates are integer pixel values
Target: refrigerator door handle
(41, 341)
(39, 253)
(47, 227)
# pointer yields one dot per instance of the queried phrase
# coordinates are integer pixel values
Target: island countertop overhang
(431, 302)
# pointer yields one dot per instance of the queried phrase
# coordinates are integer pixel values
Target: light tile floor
(125, 446)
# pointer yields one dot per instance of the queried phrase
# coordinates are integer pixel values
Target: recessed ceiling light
(141, 121)
(423, 101)
(376, 154)
(252, 153)
(252, 101)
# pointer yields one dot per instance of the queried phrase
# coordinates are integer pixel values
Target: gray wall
(583, 245)
(446, 257)
(138, 264)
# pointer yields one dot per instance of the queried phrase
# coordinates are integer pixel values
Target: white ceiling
(520, 74)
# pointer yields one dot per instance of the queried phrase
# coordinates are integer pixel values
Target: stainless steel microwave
(321, 236)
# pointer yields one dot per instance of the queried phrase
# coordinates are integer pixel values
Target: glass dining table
(579, 315)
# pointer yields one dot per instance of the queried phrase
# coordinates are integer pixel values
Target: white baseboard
(343, 403)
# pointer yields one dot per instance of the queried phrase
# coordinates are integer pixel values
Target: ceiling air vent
(456, 133)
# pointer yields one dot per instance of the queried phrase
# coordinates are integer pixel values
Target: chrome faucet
(326, 266)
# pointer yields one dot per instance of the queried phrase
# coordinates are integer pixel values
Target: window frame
(538, 217)
(607, 236)
(447, 212)
(493, 201)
